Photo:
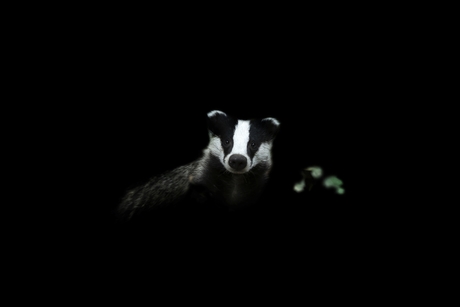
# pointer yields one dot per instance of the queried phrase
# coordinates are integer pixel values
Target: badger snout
(237, 162)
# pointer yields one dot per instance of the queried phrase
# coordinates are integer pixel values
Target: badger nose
(237, 162)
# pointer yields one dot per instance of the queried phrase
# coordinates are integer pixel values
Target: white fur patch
(263, 154)
(215, 147)
(240, 144)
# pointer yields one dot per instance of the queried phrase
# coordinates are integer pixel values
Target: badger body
(231, 172)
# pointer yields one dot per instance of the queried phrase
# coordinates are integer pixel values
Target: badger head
(241, 144)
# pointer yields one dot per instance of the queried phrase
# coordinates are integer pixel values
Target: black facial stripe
(257, 135)
(262, 131)
(226, 135)
(251, 150)
(223, 126)
(227, 147)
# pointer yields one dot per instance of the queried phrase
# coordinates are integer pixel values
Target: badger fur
(231, 172)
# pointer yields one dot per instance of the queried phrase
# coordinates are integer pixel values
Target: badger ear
(216, 119)
(216, 113)
(271, 126)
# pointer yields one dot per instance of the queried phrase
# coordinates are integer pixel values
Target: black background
(143, 111)
(134, 99)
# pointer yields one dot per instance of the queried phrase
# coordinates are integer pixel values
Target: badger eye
(253, 145)
(227, 142)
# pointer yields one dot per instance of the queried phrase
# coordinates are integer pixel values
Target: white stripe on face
(240, 142)
(241, 138)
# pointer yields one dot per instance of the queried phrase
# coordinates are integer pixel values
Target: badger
(231, 172)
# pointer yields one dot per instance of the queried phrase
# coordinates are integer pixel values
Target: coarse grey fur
(207, 179)
(161, 190)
